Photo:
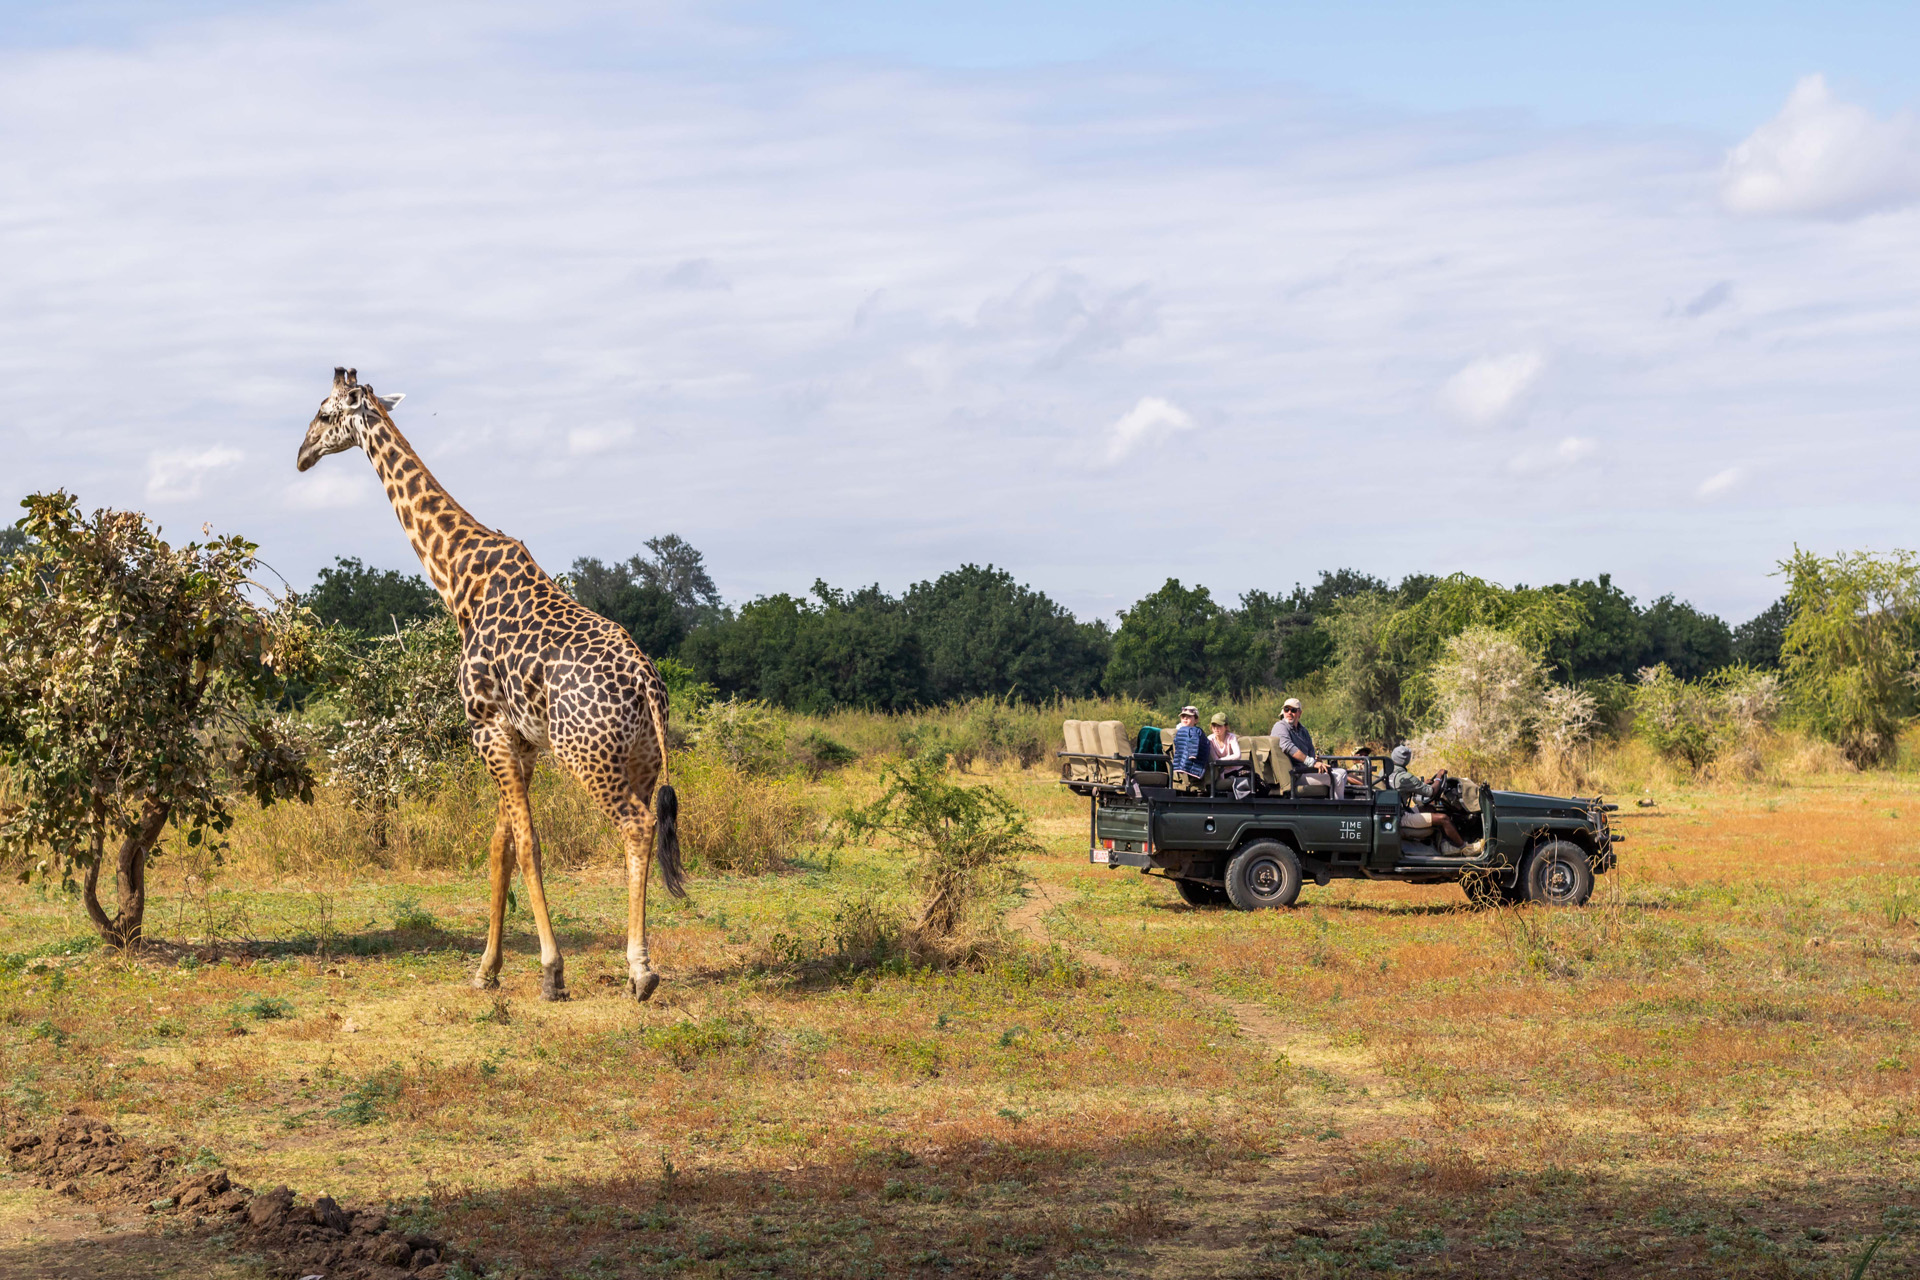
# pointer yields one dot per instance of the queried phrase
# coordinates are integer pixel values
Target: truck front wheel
(1558, 874)
(1264, 874)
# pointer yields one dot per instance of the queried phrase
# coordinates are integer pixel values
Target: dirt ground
(1711, 1070)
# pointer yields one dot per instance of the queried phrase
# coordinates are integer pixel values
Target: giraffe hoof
(485, 982)
(642, 987)
(553, 981)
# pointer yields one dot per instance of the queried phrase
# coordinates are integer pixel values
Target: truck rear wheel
(1264, 874)
(1558, 874)
(1195, 894)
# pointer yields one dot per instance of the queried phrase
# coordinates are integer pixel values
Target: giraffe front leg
(641, 978)
(500, 874)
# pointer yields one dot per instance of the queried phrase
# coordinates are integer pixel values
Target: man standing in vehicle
(1292, 740)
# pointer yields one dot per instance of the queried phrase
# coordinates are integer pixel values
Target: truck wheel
(1264, 874)
(1195, 894)
(1558, 874)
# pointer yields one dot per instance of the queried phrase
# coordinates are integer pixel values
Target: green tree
(135, 682)
(984, 635)
(1178, 640)
(370, 602)
(1757, 641)
(1613, 638)
(1370, 667)
(1691, 643)
(839, 649)
(1297, 645)
(1849, 651)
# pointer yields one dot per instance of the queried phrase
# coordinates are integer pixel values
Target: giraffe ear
(387, 402)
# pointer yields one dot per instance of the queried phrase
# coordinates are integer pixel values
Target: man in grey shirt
(1292, 740)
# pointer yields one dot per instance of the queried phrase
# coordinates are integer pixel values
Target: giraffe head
(345, 416)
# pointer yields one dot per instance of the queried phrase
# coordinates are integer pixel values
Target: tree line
(977, 632)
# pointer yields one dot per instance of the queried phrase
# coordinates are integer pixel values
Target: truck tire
(1264, 874)
(1558, 873)
(1195, 894)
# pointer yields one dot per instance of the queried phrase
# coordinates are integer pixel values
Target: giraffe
(537, 670)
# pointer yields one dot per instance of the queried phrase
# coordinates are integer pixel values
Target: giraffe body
(538, 671)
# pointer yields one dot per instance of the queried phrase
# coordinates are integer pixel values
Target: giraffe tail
(666, 811)
(666, 840)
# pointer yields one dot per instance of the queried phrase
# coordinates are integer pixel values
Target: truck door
(1386, 830)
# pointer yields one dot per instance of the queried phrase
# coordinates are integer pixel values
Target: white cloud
(1148, 420)
(347, 482)
(1571, 450)
(1492, 389)
(942, 283)
(176, 477)
(1822, 157)
(697, 275)
(584, 442)
(1721, 483)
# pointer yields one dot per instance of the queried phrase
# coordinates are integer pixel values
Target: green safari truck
(1250, 835)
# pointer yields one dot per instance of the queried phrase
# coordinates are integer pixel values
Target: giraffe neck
(438, 527)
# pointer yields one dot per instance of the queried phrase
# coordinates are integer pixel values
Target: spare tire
(1264, 874)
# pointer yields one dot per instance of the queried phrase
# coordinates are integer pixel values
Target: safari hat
(1291, 704)
(1190, 711)
(1219, 717)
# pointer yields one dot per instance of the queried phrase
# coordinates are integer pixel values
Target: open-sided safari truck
(1249, 833)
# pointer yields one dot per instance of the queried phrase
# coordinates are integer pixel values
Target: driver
(1417, 824)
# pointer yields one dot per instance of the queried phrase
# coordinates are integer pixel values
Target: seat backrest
(1111, 735)
(1074, 732)
(1268, 765)
(1312, 790)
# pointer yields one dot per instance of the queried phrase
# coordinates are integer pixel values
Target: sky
(1102, 294)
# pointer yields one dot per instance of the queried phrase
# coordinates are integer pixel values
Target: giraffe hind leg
(500, 875)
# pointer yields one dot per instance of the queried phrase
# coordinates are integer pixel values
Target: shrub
(968, 840)
(747, 736)
(1678, 718)
(817, 753)
(1487, 689)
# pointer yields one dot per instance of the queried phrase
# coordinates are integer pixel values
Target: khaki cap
(1291, 704)
(1219, 717)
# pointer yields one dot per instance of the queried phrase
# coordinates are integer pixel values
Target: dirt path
(1348, 1074)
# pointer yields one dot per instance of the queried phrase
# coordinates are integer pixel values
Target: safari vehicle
(1249, 833)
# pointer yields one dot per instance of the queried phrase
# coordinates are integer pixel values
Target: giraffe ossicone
(538, 671)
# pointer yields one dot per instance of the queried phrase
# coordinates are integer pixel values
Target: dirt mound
(84, 1158)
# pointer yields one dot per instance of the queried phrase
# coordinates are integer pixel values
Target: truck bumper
(1117, 858)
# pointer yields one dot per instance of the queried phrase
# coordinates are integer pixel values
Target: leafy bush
(1850, 648)
(1487, 690)
(747, 736)
(396, 717)
(410, 917)
(968, 840)
(1678, 718)
(817, 753)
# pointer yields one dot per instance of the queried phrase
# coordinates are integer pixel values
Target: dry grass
(1712, 1068)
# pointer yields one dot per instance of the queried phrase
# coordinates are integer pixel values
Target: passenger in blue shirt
(1190, 745)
